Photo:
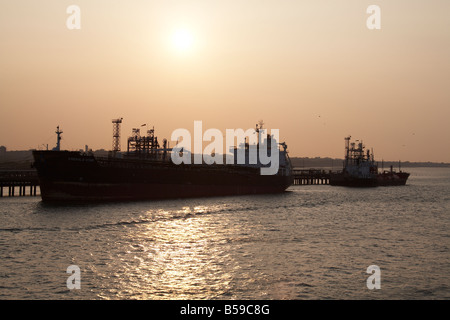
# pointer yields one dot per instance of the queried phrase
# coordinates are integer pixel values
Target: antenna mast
(116, 134)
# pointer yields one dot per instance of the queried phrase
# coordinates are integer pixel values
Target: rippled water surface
(312, 242)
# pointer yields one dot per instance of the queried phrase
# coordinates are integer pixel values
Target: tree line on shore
(22, 160)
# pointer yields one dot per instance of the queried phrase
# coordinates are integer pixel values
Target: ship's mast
(347, 150)
(259, 127)
(58, 139)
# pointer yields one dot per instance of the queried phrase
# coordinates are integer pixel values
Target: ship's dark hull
(345, 180)
(382, 179)
(70, 176)
(392, 178)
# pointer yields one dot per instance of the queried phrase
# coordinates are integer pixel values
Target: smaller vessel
(360, 170)
(392, 178)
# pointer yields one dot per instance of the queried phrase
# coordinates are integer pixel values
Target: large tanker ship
(146, 171)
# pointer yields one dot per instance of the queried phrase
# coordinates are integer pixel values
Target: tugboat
(360, 170)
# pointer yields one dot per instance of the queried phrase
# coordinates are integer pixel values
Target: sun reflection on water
(176, 255)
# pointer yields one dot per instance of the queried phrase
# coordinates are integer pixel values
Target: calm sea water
(312, 242)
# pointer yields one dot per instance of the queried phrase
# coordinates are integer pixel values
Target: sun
(182, 40)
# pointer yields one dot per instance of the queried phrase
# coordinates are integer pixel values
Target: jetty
(25, 182)
(18, 180)
(311, 176)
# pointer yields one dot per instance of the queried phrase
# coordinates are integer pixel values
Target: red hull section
(70, 176)
(66, 191)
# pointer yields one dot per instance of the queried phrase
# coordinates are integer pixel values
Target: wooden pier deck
(311, 176)
(18, 180)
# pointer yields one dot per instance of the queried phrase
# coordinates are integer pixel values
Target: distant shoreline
(22, 160)
(305, 162)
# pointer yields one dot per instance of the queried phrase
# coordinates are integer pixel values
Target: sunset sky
(312, 69)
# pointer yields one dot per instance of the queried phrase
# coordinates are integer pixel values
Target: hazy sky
(312, 69)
